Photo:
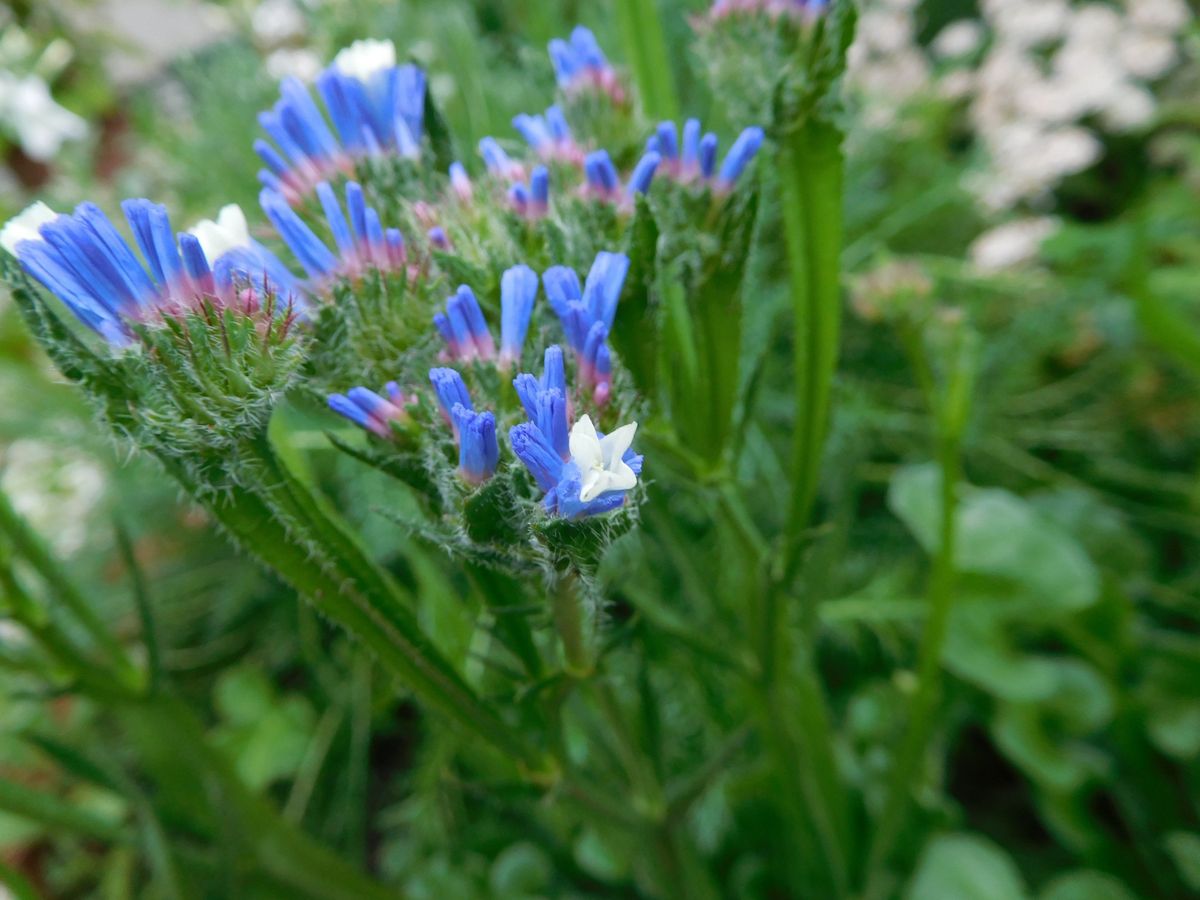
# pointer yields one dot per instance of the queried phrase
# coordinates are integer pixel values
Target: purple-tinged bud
(460, 182)
(539, 192)
(518, 291)
(450, 389)
(534, 450)
(438, 238)
(478, 450)
(691, 149)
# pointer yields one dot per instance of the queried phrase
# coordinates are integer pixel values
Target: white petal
(585, 445)
(614, 444)
(228, 232)
(24, 227)
(621, 478)
(595, 483)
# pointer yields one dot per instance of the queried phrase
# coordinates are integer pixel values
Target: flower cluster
(377, 109)
(582, 473)
(361, 243)
(696, 159)
(580, 65)
(549, 135)
(587, 315)
(84, 260)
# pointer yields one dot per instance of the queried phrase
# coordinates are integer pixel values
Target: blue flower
(587, 315)
(361, 243)
(377, 108)
(369, 410)
(580, 61)
(643, 174)
(450, 389)
(518, 291)
(498, 162)
(478, 450)
(603, 180)
(460, 182)
(698, 159)
(549, 135)
(744, 149)
(464, 328)
(554, 378)
(593, 476)
(83, 260)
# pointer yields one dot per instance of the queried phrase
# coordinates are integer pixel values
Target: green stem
(30, 547)
(646, 47)
(929, 669)
(810, 165)
(570, 620)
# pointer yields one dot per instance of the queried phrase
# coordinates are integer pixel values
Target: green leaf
(1001, 535)
(1184, 848)
(966, 867)
(1086, 885)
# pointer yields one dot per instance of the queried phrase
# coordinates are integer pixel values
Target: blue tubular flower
(580, 64)
(604, 284)
(518, 291)
(478, 450)
(361, 240)
(460, 182)
(668, 144)
(499, 163)
(450, 389)
(587, 315)
(643, 174)
(549, 135)
(464, 328)
(368, 410)
(83, 260)
(518, 196)
(740, 154)
(554, 378)
(690, 164)
(602, 177)
(539, 192)
(534, 450)
(376, 107)
(708, 156)
(699, 157)
(438, 239)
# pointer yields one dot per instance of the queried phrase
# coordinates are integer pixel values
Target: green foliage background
(1060, 753)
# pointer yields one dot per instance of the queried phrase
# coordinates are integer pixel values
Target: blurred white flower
(276, 22)
(364, 58)
(25, 226)
(1168, 16)
(1147, 54)
(39, 124)
(55, 488)
(958, 39)
(1011, 245)
(299, 63)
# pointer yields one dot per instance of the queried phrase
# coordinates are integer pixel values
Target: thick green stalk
(283, 526)
(646, 47)
(810, 164)
(570, 620)
(921, 717)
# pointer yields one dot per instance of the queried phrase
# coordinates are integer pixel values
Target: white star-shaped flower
(228, 232)
(599, 459)
(24, 227)
(362, 59)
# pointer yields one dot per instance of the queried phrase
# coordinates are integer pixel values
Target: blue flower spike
(498, 162)
(369, 410)
(82, 259)
(587, 315)
(643, 174)
(376, 109)
(358, 235)
(518, 291)
(580, 65)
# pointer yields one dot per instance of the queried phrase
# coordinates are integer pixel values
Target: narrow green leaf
(646, 47)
